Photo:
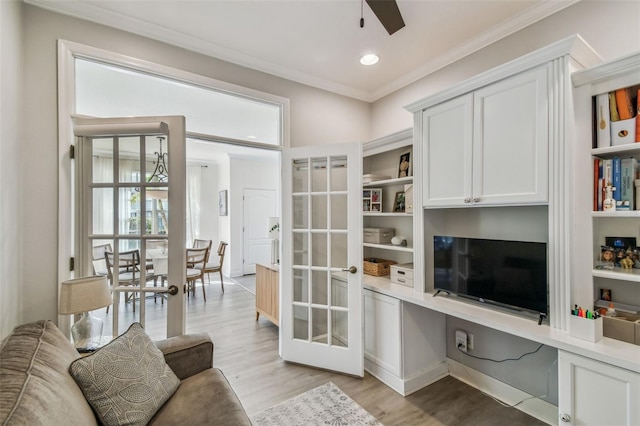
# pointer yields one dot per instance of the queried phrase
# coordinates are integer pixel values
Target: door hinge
(72, 151)
(72, 263)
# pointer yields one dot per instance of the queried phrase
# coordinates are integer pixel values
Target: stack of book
(619, 174)
(616, 117)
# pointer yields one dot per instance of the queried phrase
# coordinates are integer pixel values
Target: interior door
(130, 180)
(258, 206)
(321, 280)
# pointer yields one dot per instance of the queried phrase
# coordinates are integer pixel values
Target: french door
(321, 281)
(130, 190)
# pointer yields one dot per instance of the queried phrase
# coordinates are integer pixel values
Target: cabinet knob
(565, 417)
(476, 199)
(467, 200)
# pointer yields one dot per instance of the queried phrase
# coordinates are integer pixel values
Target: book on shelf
(596, 184)
(629, 171)
(613, 108)
(626, 107)
(617, 178)
(602, 119)
(638, 117)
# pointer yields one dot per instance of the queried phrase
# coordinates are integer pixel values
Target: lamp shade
(83, 295)
(273, 228)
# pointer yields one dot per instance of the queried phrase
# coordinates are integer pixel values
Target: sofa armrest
(188, 354)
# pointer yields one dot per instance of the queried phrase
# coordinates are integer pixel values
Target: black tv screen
(512, 274)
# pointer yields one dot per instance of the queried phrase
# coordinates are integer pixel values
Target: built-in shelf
(617, 213)
(618, 274)
(389, 182)
(628, 150)
(622, 307)
(387, 214)
(389, 247)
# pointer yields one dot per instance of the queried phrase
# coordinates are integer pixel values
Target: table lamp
(81, 296)
(273, 232)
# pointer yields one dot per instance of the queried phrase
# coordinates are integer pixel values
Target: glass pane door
(321, 298)
(124, 186)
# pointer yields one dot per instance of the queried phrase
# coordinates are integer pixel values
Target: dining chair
(97, 259)
(196, 261)
(128, 271)
(217, 266)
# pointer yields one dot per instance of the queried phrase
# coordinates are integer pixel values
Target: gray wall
(11, 160)
(310, 111)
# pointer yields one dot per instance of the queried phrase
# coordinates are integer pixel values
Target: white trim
(77, 50)
(572, 45)
(535, 407)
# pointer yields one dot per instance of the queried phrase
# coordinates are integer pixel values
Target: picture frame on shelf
(405, 168)
(372, 200)
(399, 202)
(605, 294)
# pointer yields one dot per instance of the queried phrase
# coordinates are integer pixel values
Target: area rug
(324, 405)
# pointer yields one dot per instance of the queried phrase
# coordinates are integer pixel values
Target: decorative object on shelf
(404, 166)
(273, 233)
(81, 296)
(399, 203)
(372, 200)
(399, 241)
(609, 203)
(369, 178)
(408, 198)
(378, 235)
(222, 203)
(377, 267)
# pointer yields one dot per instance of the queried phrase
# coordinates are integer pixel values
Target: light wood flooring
(247, 351)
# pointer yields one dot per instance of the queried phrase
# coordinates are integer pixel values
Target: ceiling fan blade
(388, 13)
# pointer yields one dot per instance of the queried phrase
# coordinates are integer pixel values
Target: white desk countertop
(606, 350)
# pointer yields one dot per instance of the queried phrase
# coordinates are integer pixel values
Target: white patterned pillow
(126, 381)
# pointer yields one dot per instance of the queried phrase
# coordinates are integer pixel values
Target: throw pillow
(127, 380)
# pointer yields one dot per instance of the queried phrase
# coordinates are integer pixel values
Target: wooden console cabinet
(267, 292)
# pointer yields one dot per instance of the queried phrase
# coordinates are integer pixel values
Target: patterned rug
(324, 405)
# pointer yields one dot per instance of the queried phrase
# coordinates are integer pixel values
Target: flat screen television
(510, 274)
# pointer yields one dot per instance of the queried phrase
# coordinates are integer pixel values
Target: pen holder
(585, 328)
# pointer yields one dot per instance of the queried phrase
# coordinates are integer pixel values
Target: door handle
(172, 290)
(352, 269)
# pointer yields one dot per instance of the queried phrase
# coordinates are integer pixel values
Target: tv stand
(438, 292)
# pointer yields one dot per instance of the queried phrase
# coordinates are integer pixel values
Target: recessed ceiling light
(369, 59)
(251, 137)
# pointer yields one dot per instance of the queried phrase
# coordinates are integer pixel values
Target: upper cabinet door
(510, 141)
(447, 154)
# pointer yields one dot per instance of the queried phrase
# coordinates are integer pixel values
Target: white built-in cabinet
(595, 393)
(404, 344)
(490, 146)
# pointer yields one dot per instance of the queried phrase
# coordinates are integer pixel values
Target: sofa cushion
(205, 398)
(36, 385)
(127, 380)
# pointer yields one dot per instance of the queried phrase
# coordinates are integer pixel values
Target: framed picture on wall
(222, 203)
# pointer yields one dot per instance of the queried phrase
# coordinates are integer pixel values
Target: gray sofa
(37, 389)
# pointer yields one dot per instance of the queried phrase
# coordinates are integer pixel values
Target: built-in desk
(267, 292)
(606, 350)
(598, 383)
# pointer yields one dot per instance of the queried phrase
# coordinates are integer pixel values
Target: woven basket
(378, 267)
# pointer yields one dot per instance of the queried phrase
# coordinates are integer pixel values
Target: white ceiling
(319, 42)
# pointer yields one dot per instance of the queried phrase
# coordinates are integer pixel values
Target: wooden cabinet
(488, 147)
(404, 344)
(267, 292)
(595, 393)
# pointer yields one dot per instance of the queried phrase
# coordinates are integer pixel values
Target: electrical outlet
(461, 340)
(470, 341)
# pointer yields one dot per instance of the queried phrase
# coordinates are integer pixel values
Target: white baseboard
(407, 386)
(535, 407)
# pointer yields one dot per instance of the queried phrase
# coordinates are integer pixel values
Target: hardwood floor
(247, 351)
